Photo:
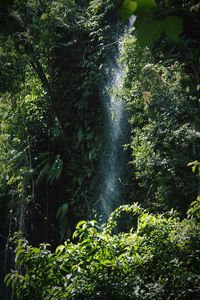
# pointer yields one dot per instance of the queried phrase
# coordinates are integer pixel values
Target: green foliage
(164, 118)
(22, 121)
(52, 54)
(173, 27)
(49, 172)
(194, 209)
(157, 258)
(128, 7)
(151, 21)
(195, 167)
(150, 29)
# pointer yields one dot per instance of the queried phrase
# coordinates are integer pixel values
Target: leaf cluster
(151, 260)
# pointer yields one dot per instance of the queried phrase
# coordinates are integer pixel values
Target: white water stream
(114, 158)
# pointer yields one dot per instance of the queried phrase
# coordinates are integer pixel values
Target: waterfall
(114, 158)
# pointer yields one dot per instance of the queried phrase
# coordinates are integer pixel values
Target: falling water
(114, 158)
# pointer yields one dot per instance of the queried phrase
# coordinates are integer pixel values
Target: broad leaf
(173, 27)
(148, 31)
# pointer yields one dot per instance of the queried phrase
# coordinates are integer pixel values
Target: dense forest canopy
(55, 58)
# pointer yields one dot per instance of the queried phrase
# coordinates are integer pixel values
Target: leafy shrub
(157, 258)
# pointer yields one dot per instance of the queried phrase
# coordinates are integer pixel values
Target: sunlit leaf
(60, 249)
(80, 224)
(128, 7)
(145, 5)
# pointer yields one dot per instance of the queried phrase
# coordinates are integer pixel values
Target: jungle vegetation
(54, 56)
